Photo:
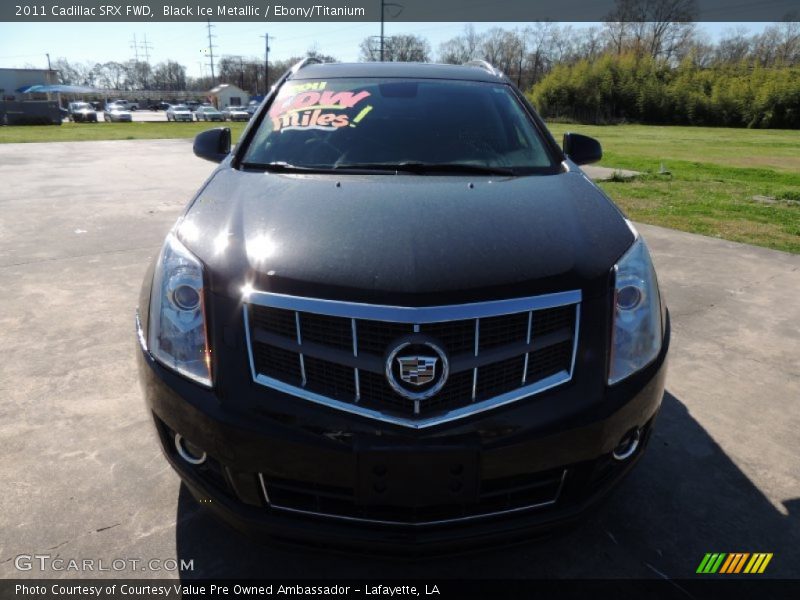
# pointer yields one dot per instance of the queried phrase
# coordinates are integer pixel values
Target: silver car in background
(115, 113)
(179, 112)
(235, 113)
(208, 113)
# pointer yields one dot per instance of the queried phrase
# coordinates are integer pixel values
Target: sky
(26, 44)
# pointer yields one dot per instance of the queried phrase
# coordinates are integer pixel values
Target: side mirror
(213, 145)
(581, 149)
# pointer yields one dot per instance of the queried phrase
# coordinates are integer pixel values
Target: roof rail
(482, 64)
(308, 60)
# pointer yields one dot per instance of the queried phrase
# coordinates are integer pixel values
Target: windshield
(384, 123)
(180, 107)
(80, 105)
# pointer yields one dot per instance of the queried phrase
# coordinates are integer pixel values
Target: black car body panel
(498, 237)
(276, 463)
(251, 430)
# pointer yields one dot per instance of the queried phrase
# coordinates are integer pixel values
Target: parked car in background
(193, 105)
(179, 112)
(252, 107)
(81, 112)
(115, 114)
(235, 113)
(125, 105)
(208, 113)
(158, 106)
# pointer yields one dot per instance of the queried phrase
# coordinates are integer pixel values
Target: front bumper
(314, 452)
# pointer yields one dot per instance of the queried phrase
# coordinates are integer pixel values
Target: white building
(227, 94)
(13, 79)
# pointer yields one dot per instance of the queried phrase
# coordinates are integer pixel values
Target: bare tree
(112, 75)
(397, 48)
(462, 48)
(590, 43)
(139, 74)
(75, 73)
(735, 45)
(658, 28)
(169, 75)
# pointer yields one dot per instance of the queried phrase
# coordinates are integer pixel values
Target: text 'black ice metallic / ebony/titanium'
(398, 315)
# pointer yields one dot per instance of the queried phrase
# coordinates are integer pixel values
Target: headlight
(178, 336)
(636, 332)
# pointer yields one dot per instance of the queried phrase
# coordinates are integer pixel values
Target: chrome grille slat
(300, 344)
(527, 341)
(530, 346)
(477, 346)
(355, 355)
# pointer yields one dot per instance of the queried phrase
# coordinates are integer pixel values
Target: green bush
(617, 88)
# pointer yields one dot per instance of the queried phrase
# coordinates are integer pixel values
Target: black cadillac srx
(399, 315)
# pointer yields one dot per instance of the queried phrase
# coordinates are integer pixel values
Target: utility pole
(147, 47)
(266, 62)
(135, 47)
(211, 53)
(394, 5)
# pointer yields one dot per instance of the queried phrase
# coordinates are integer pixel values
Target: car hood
(410, 239)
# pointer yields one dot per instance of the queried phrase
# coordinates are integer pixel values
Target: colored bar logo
(734, 563)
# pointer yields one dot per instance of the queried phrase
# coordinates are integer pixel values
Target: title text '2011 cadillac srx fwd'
(399, 315)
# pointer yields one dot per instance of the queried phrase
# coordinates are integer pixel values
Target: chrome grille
(334, 353)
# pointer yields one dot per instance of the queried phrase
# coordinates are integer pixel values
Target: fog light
(628, 444)
(189, 452)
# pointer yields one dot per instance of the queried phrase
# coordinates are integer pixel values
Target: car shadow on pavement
(685, 498)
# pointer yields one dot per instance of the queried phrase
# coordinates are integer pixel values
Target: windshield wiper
(280, 166)
(423, 167)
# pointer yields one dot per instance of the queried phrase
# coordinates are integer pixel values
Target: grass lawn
(87, 132)
(714, 172)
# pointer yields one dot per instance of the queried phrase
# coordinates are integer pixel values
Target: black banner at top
(399, 10)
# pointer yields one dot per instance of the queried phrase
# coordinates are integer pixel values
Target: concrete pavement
(84, 477)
